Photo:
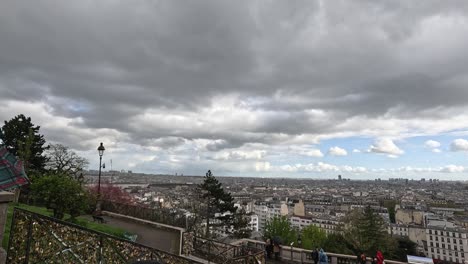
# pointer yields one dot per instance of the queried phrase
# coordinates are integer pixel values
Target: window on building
(460, 242)
(432, 244)
(430, 231)
(437, 244)
(438, 251)
(462, 255)
(437, 238)
(442, 239)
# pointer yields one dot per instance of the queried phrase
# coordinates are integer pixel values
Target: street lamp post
(101, 152)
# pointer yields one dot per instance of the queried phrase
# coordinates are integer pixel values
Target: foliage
(111, 192)
(62, 160)
(365, 231)
(280, 227)
(217, 201)
(335, 242)
(21, 137)
(240, 224)
(404, 247)
(390, 205)
(313, 237)
(60, 193)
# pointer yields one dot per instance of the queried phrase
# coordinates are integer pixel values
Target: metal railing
(290, 254)
(36, 238)
(218, 252)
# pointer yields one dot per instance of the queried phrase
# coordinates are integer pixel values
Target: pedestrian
(269, 248)
(323, 259)
(362, 258)
(380, 258)
(276, 250)
(315, 255)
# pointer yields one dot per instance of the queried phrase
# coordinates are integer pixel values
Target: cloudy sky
(364, 89)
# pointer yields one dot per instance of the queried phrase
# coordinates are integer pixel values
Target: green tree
(60, 193)
(280, 227)
(390, 205)
(404, 247)
(219, 204)
(365, 231)
(335, 242)
(21, 137)
(312, 237)
(62, 160)
(240, 224)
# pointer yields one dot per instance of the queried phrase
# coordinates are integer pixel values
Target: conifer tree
(219, 204)
(366, 231)
(21, 137)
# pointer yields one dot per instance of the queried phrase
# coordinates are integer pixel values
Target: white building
(327, 225)
(449, 244)
(266, 211)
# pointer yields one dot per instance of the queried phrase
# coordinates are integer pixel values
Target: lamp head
(101, 150)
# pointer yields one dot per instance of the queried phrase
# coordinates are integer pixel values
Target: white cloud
(314, 153)
(240, 155)
(337, 151)
(452, 169)
(356, 151)
(305, 151)
(436, 150)
(385, 146)
(432, 144)
(320, 167)
(262, 166)
(459, 145)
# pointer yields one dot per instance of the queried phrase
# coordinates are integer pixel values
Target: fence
(161, 215)
(298, 255)
(218, 252)
(36, 238)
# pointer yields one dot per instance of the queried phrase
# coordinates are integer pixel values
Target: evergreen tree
(366, 232)
(219, 204)
(21, 137)
(240, 224)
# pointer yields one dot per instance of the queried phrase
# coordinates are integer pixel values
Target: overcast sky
(364, 89)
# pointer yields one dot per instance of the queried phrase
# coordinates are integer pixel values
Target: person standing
(362, 258)
(276, 250)
(379, 257)
(315, 255)
(323, 258)
(269, 248)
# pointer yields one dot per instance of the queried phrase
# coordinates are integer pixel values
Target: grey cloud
(109, 62)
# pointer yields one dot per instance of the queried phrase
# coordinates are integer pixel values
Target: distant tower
(339, 177)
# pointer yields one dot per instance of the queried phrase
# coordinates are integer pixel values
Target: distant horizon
(280, 177)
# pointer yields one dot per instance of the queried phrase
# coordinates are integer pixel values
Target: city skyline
(304, 89)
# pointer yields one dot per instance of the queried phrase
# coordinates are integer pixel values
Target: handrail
(302, 250)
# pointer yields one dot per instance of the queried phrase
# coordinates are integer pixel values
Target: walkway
(147, 235)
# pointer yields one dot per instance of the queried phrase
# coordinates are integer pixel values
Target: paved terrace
(151, 234)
